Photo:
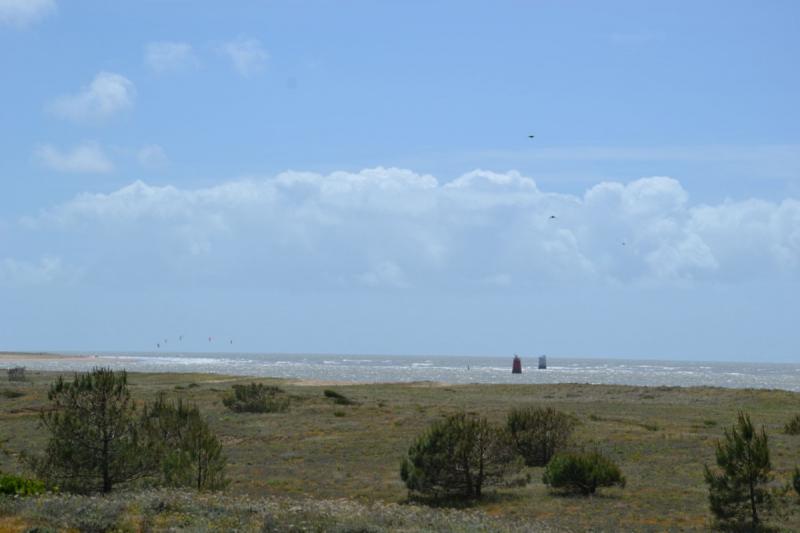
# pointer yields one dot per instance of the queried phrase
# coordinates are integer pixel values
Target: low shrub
(538, 433)
(796, 480)
(19, 486)
(582, 473)
(338, 398)
(178, 510)
(78, 513)
(792, 427)
(256, 398)
(10, 393)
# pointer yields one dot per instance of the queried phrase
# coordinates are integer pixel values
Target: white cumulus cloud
(390, 227)
(106, 95)
(165, 56)
(21, 13)
(248, 56)
(84, 158)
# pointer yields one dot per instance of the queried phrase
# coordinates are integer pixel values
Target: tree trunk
(106, 473)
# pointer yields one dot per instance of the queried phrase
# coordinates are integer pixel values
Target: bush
(457, 457)
(10, 393)
(338, 398)
(19, 486)
(792, 427)
(739, 489)
(16, 373)
(582, 473)
(796, 480)
(256, 398)
(182, 448)
(538, 433)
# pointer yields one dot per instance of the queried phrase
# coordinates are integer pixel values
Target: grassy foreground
(335, 467)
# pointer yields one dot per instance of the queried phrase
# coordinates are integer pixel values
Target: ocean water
(448, 369)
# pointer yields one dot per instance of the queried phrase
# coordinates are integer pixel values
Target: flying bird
(552, 217)
(531, 136)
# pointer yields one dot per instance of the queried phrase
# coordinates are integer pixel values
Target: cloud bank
(397, 229)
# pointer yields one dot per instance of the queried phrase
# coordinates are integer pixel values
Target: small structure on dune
(16, 373)
(516, 366)
(542, 362)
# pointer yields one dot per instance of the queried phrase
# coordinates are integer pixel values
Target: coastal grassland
(318, 449)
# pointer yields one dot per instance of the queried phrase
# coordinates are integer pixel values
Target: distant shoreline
(347, 369)
(46, 356)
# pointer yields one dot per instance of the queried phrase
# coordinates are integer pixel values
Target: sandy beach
(23, 357)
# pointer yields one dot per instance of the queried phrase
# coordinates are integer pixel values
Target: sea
(447, 369)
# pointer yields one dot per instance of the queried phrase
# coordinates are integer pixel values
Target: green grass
(659, 436)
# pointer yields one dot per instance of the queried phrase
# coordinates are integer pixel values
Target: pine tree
(94, 440)
(182, 448)
(737, 493)
(458, 456)
(538, 433)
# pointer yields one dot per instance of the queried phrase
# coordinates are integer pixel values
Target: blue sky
(357, 177)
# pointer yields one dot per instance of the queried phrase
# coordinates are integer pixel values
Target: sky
(359, 177)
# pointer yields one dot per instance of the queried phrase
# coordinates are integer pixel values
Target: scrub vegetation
(310, 468)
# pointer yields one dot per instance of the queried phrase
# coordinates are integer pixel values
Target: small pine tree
(182, 448)
(737, 492)
(94, 440)
(538, 433)
(457, 457)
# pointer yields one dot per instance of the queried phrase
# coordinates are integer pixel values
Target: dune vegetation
(327, 465)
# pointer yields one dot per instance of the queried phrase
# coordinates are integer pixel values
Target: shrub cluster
(97, 439)
(582, 473)
(337, 397)
(19, 486)
(256, 398)
(792, 427)
(457, 456)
